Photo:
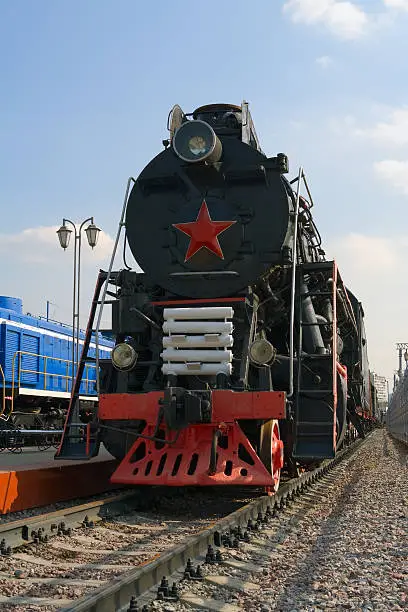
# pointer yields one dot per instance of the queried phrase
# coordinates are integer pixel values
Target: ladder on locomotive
(315, 410)
(314, 434)
(80, 440)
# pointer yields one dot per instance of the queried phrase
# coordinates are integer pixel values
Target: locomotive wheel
(271, 450)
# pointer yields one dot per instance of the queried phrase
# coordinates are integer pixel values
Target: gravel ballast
(351, 551)
(343, 546)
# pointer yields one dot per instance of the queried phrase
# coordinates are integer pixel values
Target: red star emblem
(203, 233)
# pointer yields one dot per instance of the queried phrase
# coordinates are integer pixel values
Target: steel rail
(116, 595)
(28, 530)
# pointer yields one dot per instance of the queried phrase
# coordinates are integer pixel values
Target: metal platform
(33, 478)
(31, 458)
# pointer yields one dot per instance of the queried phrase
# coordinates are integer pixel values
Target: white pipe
(197, 327)
(196, 369)
(207, 341)
(193, 355)
(206, 312)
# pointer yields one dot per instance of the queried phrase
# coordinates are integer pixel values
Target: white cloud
(324, 61)
(393, 132)
(372, 267)
(343, 18)
(307, 11)
(395, 172)
(367, 253)
(397, 4)
(40, 245)
(296, 125)
(42, 271)
(390, 133)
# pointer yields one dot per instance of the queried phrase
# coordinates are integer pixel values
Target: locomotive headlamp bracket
(195, 141)
(124, 357)
(262, 352)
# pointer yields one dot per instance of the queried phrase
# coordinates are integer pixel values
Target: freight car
(238, 349)
(36, 371)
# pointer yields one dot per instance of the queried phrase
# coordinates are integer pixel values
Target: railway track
(104, 554)
(49, 560)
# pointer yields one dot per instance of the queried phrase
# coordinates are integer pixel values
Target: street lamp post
(64, 235)
(401, 346)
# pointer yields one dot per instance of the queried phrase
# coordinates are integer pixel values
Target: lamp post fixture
(64, 236)
(401, 346)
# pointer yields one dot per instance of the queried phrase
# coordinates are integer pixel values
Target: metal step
(314, 423)
(316, 392)
(318, 293)
(312, 356)
(317, 324)
(316, 434)
(320, 266)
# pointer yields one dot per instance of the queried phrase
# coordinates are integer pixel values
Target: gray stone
(233, 583)
(209, 604)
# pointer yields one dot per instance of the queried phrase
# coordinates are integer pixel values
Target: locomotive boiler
(238, 349)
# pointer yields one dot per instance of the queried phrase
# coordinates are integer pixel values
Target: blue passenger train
(36, 368)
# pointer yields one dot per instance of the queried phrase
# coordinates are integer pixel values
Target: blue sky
(86, 87)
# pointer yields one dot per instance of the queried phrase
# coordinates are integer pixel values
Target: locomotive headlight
(262, 352)
(196, 141)
(198, 145)
(124, 356)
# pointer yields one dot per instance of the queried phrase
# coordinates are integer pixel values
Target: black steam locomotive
(238, 348)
